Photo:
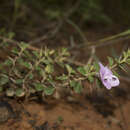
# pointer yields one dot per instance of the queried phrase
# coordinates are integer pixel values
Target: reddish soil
(99, 112)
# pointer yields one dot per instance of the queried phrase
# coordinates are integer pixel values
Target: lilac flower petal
(107, 71)
(108, 79)
(102, 69)
(114, 81)
(108, 86)
(106, 82)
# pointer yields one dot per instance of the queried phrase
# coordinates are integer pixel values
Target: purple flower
(108, 79)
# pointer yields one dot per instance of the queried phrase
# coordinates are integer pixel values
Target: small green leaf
(128, 61)
(1, 66)
(82, 70)
(49, 59)
(63, 77)
(98, 83)
(23, 45)
(45, 61)
(128, 52)
(20, 61)
(39, 86)
(4, 80)
(50, 79)
(110, 60)
(69, 69)
(19, 92)
(65, 52)
(96, 66)
(49, 90)
(46, 52)
(91, 79)
(78, 87)
(125, 54)
(116, 74)
(11, 35)
(1, 89)
(19, 81)
(41, 52)
(10, 92)
(27, 54)
(60, 119)
(51, 52)
(87, 68)
(30, 76)
(72, 83)
(27, 65)
(42, 73)
(38, 68)
(123, 68)
(36, 53)
(8, 62)
(49, 68)
(32, 90)
(15, 50)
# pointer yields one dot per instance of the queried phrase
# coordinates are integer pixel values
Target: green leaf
(51, 52)
(46, 52)
(128, 61)
(19, 81)
(73, 83)
(1, 66)
(125, 54)
(15, 50)
(69, 69)
(76, 86)
(27, 65)
(20, 61)
(98, 83)
(4, 80)
(30, 76)
(88, 68)
(63, 77)
(1, 89)
(60, 119)
(110, 60)
(8, 62)
(91, 79)
(36, 53)
(49, 68)
(65, 52)
(45, 61)
(96, 66)
(49, 90)
(23, 45)
(42, 73)
(10, 92)
(32, 90)
(38, 68)
(50, 79)
(116, 74)
(49, 59)
(39, 86)
(19, 92)
(11, 35)
(123, 68)
(82, 70)
(27, 54)
(41, 52)
(128, 52)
